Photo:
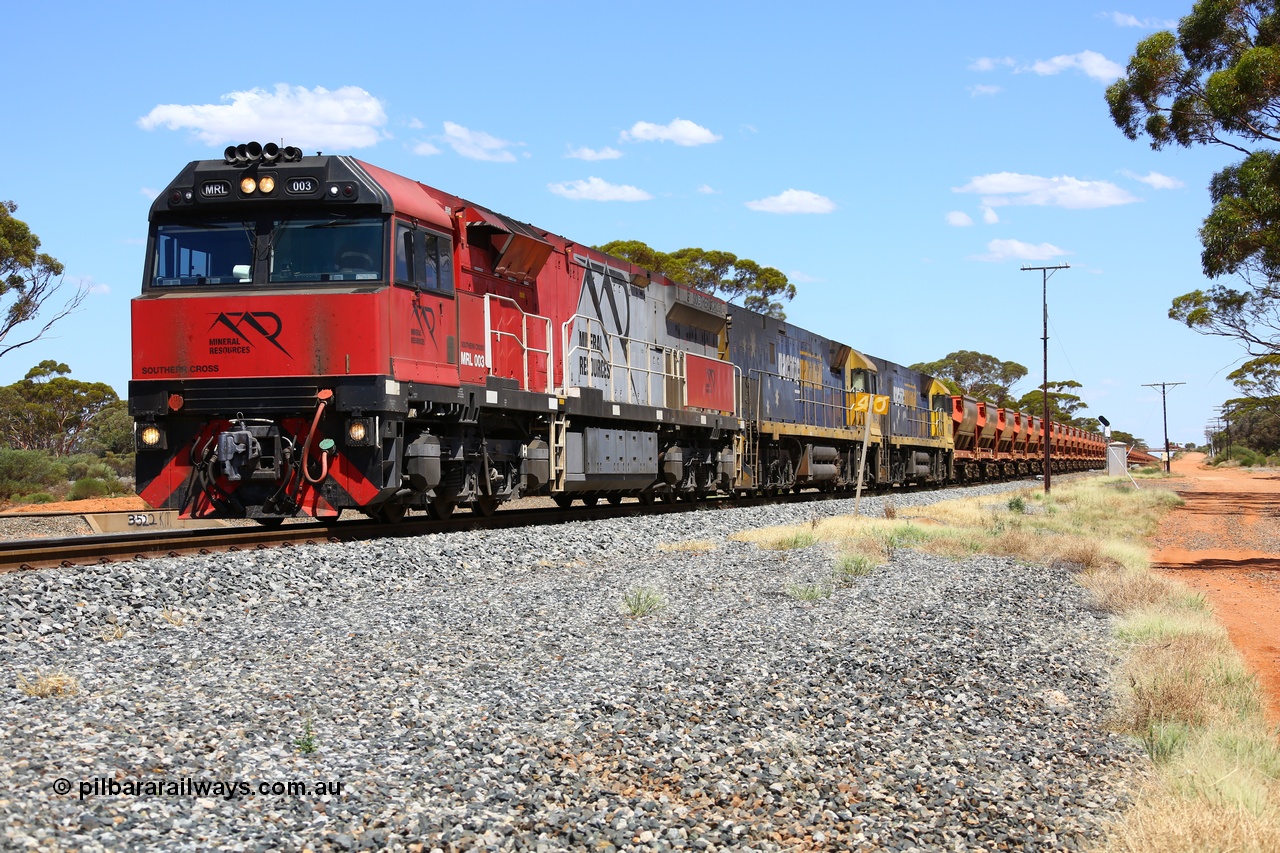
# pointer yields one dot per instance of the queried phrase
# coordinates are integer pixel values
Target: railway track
(19, 555)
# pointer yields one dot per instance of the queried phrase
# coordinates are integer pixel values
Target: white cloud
(95, 288)
(1093, 64)
(309, 118)
(595, 189)
(1155, 180)
(150, 192)
(794, 201)
(1008, 250)
(680, 131)
(1005, 188)
(980, 90)
(425, 149)
(798, 277)
(605, 153)
(1123, 19)
(707, 189)
(416, 124)
(989, 215)
(989, 63)
(959, 219)
(477, 145)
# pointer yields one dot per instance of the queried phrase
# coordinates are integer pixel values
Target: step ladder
(559, 454)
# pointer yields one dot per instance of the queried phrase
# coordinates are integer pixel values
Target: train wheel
(441, 508)
(614, 500)
(270, 523)
(645, 498)
(590, 500)
(485, 507)
(390, 513)
(563, 501)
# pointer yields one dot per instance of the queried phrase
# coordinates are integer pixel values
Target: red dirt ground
(1225, 543)
(95, 505)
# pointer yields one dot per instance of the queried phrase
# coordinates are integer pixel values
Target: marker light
(151, 436)
(248, 185)
(356, 431)
(267, 184)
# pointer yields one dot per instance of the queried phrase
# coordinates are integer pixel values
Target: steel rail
(17, 555)
(28, 554)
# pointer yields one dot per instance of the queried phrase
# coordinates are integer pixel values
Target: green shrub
(89, 487)
(35, 498)
(27, 471)
(121, 463)
(1242, 455)
(641, 601)
(808, 591)
(83, 467)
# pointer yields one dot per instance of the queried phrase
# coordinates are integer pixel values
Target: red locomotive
(317, 334)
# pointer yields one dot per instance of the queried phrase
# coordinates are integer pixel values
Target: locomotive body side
(317, 334)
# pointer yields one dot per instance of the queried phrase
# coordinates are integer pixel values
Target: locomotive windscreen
(329, 249)
(293, 249)
(203, 253)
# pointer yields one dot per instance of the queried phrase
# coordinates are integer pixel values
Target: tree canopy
(28, 279)
(722, 274)
(976, 374)
(1217, 82)
(47, 410)
(1063, 405)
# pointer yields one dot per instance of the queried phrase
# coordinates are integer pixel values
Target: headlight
(267, 183)
(150, 437)
(248, 185)
(360, 432)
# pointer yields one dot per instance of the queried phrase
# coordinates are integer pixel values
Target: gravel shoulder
(486, 691)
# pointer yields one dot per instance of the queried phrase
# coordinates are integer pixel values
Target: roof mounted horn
(249, 153)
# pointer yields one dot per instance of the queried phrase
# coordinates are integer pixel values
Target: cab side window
(438, 266)
(423, 259)
(406, 253)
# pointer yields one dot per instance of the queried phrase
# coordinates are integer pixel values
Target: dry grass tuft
(174, 617)
(111, 633)
(1160, 822)
(58, 683)
(1121, 590)
(688, 545)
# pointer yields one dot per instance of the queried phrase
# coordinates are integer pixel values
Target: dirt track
(1226, 543)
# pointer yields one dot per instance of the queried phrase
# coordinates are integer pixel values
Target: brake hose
(323, 400)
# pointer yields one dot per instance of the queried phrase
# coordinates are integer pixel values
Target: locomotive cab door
(423, 315)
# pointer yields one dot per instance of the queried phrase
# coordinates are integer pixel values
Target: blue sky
(899, 164)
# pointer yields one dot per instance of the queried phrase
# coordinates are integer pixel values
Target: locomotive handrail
(673, 365)
(841, 408)
(521, 340)
(632, 395)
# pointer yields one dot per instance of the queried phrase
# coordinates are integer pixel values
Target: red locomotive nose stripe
(352, 480)
(161, 492)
